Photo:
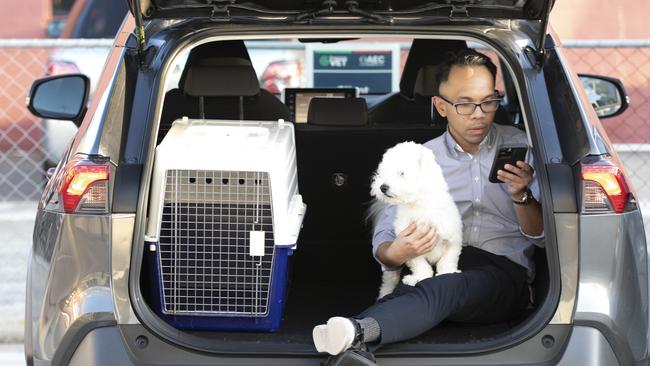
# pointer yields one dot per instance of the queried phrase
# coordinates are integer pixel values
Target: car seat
(406, 106)
(223, 85)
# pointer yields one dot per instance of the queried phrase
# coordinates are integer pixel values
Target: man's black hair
(467, 57)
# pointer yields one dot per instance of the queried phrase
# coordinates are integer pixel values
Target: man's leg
(490, 289)
(483, 292)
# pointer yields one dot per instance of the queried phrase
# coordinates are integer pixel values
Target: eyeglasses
(467, 108)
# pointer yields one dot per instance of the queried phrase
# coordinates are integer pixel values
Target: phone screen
(506, 154)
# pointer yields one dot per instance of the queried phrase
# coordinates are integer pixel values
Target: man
(501, 224)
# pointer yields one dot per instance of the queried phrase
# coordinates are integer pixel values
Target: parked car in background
(162, 238)
(101, 19)
(88, 19)
(282, 74)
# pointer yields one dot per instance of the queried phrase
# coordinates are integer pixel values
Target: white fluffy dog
(410, 178)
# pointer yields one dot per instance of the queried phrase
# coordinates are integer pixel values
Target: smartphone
(507, 154)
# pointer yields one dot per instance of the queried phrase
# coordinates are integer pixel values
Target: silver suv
(174, 230)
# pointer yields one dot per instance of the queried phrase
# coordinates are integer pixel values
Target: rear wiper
(351, 7)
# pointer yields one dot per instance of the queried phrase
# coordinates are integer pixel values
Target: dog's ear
(426, 157)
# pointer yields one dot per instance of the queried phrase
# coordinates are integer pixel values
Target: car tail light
(605, 188)
(81, 186)
(61, 67)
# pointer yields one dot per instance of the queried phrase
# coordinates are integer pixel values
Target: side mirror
(59, 97)
(607, 95)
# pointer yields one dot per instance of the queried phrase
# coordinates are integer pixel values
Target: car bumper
(133, 345)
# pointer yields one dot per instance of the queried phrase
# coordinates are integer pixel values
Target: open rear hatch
(535, 12)
(324, 282)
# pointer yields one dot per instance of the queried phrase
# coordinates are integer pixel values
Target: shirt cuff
(382, 237)
(375, 247)
(533, 237)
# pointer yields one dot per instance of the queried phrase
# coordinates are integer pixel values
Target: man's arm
(518, 179)
(410, 243)
(530, 217)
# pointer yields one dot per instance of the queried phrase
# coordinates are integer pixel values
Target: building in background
(601, 19)
(31, 18)
(615, 21)
(25, 19)
(571, 19)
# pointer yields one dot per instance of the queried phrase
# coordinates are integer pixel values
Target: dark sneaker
(352, 357)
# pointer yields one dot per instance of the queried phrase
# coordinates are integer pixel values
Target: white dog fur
(413, 181)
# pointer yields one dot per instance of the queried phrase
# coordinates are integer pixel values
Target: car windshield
(100, 19)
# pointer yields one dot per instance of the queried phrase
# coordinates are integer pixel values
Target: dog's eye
(401, 173)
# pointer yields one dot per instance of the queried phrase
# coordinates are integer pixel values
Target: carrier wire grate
(204, 252)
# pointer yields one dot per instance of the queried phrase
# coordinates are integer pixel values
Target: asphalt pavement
(16, 225)
(12, 354)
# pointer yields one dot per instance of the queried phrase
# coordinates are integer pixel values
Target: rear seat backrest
(226, 77)
(407, 107)
(337, 153)
(337, 112)
(261, 105)
(230, 87)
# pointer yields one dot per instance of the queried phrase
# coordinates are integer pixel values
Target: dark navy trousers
(489, 289)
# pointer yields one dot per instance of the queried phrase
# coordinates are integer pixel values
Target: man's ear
(441, 106)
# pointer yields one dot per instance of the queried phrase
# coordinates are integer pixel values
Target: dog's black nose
(383, 188)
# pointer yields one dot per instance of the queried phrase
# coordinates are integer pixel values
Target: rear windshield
(371, 68)
(100, 19)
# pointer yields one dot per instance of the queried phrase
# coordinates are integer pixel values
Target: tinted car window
(566, 111)
(100, 19)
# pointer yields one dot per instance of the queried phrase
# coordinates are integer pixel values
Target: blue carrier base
(264, 323)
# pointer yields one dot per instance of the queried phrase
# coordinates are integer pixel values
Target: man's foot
(338, 335)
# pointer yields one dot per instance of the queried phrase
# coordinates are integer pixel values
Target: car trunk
(339, 277)
(332, 270)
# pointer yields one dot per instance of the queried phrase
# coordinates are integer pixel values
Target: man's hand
(410, 243)
(517, 177)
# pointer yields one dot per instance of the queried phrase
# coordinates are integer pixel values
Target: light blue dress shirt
(488, 215)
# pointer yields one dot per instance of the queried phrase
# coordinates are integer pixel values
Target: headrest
(221, 77)
(425, 52)
(234, 48)
(337, 112)
(426, 84)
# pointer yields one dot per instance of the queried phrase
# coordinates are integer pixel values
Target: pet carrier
(224, 216)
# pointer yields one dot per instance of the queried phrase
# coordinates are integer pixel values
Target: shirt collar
(455, 149)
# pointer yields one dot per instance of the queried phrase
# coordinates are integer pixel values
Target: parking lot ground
(12, 354)
(16, 225)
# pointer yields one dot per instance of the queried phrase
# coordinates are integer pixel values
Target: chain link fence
(628, 61)
(21, 176)
(24, 151)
